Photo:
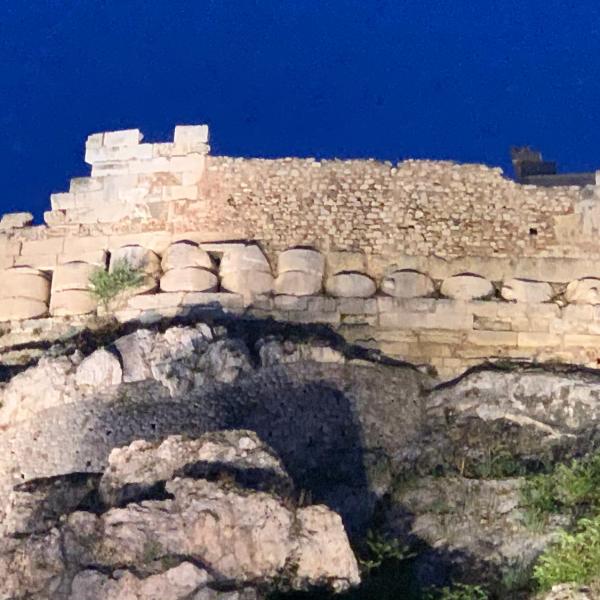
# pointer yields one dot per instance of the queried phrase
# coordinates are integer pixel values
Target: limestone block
(583, 291)
(187, 134)
(350, 285)
(467, 286)
(244, 258)
(301, 259)
(53, 245)
(248, 282)
(184, 254)
(12, 309)
(138, 258)
(298, 283)
(55, 218)
(62, 201)
(407, 283)
(189, 279)
(72, 276)
(96, 257)
(338, 262)
(15, 220)
(123, 137)
(99, 369)
(72, 302)
(526, 290)
(23, 282)
(85, 184)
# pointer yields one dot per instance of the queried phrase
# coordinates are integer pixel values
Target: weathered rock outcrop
(171, 520)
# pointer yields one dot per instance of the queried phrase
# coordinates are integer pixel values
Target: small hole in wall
(532, 231)
(598, 361)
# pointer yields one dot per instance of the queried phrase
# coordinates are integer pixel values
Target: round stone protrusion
(305, 260)
(247, 282)
(583, 291)
(298, 283)
(244, 258)
(190, 279)
(467, 286)
(72, 302)
(72, 276)
(136, 257)
(350, 285)
(186, 254)
(15, 309)
(24, 282)
(526, 290)
(407, 283)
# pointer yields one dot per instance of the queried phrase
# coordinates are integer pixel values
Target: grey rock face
(151, 547)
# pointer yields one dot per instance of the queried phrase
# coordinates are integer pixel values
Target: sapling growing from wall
(107, 285)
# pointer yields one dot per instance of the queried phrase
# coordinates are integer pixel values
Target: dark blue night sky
(462, 80)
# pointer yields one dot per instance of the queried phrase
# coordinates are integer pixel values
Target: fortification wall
(370, 220)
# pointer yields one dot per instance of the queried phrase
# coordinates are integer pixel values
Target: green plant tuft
(573, 558)
(381, 549)
(105, 286)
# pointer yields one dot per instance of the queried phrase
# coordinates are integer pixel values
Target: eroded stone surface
(188, 279)
(583, 291)
(525, 290)
(350, 285)
(467, 287)
(407, 283)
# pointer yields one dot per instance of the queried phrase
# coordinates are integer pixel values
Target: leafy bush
(381, 549)
(573, 558)
(459, 591)
(573, 488)
(105, 286)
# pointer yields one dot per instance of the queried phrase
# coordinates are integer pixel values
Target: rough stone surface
(248, 282)
(12, 309)
(523, 290)
(72, 302)
(24, 283)
(301, 259)
(350, 285)
(189, 279)
(583, 291)
(72, 276)
(244, 258)
(151, 546)
(138, 258)
(466, 287)
(99, 369)
(298, 283)
(15, 220)
(407, 283)
(185, 254)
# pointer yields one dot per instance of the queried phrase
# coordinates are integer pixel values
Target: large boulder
(583, 291)
(189, 279)
(407, 283)
(350, 285)
(186, 254)
(526, 290)
(467, 286)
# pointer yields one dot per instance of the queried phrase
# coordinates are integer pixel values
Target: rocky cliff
(200, 459)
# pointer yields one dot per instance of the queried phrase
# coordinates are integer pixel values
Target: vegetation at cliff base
(105, 285)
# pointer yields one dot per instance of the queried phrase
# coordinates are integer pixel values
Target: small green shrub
(573, 558)
(106, 286)
(459, 591)
(572, 488)
(381, 549)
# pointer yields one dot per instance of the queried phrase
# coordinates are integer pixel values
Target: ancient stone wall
(388, 242)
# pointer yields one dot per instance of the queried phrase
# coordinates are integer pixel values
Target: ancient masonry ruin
(432, 262)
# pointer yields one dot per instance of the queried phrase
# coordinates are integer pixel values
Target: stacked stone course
(429, 261)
